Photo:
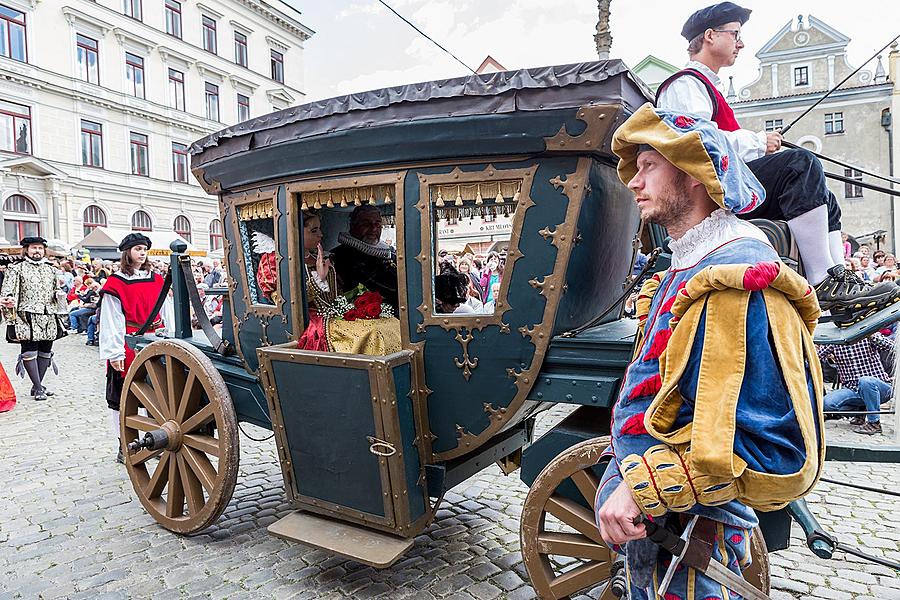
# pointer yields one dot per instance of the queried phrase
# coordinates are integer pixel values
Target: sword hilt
(673, 544)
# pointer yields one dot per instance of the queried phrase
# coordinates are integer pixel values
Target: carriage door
(346, 435)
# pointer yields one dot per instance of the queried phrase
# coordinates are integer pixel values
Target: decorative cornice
(124, 36)
(277, 44)
(279, 94)
(240, 82)
(240, 27)
(169, 54)
(206, 70)
(292, 26)
(211, 12)
(74, 16)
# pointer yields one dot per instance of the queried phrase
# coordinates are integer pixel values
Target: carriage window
(472, 227)
(256, 224)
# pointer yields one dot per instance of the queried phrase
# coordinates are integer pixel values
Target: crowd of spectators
(872, 266)
(82, 279)
(481, 275)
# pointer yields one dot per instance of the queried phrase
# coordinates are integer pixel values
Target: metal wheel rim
(582, 539)
(171, 379)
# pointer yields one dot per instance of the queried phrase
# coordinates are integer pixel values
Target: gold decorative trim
(466, 364)
(235, 202)
(574, 187)
(426, 258)
(213, 189)
(598, 117)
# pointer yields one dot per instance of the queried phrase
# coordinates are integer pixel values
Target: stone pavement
(71, 527)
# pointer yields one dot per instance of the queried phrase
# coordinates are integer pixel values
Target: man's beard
(672, 204)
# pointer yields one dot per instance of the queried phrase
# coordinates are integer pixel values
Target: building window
(133, 9)
(176, 89)
(12, 33)
(15, 127)
(173, 18)
(850, 190)
(88, 59)
(28, 222)
(278, 66)
(209, 34)
(183, 228)
(212, 102)
(240, 48)
(801, 75)
(93, 217)
(834, 122)
(140, 151)
(91, 144)
(774, 124)
(134, 73)
(243, 105)
(215, 234)
(140, 221)
(179, 162)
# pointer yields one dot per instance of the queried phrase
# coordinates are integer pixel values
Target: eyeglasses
(735, 32)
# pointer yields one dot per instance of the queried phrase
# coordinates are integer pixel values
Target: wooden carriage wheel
(578, 538)
(185, 397)
(586, 560)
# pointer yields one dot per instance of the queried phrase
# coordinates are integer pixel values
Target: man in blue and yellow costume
(720, 410)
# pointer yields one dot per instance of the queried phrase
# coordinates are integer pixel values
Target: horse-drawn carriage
(369, 444)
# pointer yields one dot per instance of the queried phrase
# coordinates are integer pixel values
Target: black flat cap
(713, 16)
(134, 239)
(32, 239)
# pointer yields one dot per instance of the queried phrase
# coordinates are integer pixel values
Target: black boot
(44, 361)
(120, 458)
(29, 364)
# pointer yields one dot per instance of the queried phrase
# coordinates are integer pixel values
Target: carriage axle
(168, 437)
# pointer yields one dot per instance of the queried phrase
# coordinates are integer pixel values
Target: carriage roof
(443, 111)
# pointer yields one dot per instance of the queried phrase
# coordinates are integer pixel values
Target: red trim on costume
(634, 425)
(647, 387)
(687, 474)
(722, 113)
(652, 479)
(138, 298)
(660, 342)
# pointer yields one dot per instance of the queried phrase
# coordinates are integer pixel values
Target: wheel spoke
(575, 516)
(175, 496)
(588, 483)
(579, 578)
(202, 468)
(571, 544)
(203, 416)
(148, 399)
(204, 443)
(159, 479)
(174, 383)
(143, 456)
(192, 488)
(141, 423)
(190, 397)
(157, 375)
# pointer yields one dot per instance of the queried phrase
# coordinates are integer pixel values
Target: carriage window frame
(426, 259)
(295, 191)
(233, 206)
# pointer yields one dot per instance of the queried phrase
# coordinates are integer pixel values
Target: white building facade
(801, 62)
(100, 100)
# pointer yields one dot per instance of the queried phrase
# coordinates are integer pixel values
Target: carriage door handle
(381, 447)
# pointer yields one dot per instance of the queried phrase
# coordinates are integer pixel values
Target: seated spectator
(865, 384)
(92, 339)
(866, 270)
(888, 264)
(88, 306)
(489, 305)
(878, 258)
(451, 291)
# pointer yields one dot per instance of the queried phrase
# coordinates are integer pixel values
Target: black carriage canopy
(539, 89)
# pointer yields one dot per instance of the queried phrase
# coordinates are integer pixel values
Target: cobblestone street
(71, 526)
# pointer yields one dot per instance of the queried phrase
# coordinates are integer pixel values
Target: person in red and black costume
(793, 178)
(126, 300)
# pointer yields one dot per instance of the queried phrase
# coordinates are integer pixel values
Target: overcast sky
(359, 45)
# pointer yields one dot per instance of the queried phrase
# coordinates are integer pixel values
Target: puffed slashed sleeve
(767, 437)
(112, 328)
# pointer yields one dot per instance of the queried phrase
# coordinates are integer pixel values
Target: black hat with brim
(32, 239)
(134, 239)
(713, 16)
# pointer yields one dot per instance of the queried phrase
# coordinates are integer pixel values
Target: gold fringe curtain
(356, 196)
(480, 199)
(263, 209)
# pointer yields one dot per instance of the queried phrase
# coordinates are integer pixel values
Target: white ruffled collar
(720, 227)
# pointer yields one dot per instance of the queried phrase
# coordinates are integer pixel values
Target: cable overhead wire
(426, 36)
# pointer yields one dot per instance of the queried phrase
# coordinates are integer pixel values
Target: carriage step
(355, 542)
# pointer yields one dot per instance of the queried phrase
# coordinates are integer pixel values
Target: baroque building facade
(100, 100)
(797, 66)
